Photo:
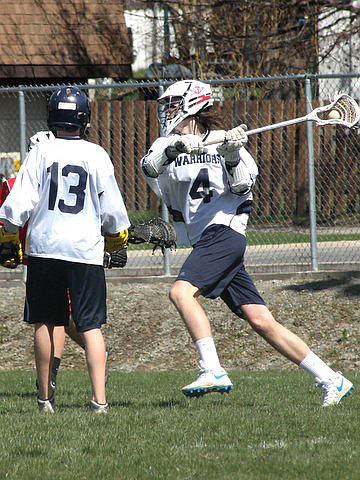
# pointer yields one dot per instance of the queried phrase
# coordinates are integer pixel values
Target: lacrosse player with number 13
(67, 190)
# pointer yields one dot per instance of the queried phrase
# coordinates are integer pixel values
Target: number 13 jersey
(67, 190)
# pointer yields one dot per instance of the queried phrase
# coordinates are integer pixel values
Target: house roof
(71, 38)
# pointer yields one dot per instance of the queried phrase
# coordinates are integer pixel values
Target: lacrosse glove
(190, 144)
(116, 242)
(118, 259)
(234, 140)
(10, 249)
(186, 144)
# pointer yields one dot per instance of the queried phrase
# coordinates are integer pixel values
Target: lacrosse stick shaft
(221, 137)
(285, 123)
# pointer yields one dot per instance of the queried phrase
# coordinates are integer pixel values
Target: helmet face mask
(172, 107)
(68, 108)
(181, 100)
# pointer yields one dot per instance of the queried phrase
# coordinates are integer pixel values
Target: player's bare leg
(96, 359)
(59, 341)
(213, 377)
(184, 297)
(283, 340)
(72, 332)
(44, 348)
(77, 337)
(335, 385)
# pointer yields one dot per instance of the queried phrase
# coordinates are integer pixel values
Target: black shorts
(47, 285)
(216, 267)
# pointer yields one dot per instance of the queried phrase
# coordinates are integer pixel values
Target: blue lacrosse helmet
(68, 107)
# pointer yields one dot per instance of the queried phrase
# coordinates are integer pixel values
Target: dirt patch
(145, 332)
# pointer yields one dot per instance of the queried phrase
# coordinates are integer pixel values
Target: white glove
(237, 136)
(190, 144)
(234, 140)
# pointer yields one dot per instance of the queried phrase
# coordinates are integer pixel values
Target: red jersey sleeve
(4, 192)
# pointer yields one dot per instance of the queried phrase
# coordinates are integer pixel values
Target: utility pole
(166, 55)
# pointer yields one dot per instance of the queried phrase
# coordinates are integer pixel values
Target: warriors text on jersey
(196, 190)
(67, 190)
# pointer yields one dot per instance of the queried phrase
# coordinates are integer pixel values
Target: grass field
(272, 426)
(282, 238)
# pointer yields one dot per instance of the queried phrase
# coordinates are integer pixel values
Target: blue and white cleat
(337, 388)
(208, 381)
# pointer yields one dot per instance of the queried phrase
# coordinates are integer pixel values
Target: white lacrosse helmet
(40, 137)
(181, 100)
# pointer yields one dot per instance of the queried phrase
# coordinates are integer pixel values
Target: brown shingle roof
(67, 38)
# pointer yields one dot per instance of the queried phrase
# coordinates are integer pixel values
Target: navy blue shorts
(47, 284)
(216, 267)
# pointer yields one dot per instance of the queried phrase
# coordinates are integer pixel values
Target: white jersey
(196, 190)
(67, 190)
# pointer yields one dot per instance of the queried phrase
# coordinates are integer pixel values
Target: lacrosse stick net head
(345, 108)
(181, 100)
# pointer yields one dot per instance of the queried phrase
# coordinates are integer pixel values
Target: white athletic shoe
(208, 381)
(98, 407)
(336, 389)
(45, 406)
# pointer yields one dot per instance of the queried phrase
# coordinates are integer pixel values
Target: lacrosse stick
(342, 111)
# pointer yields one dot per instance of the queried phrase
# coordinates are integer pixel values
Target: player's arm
(159, 156)
(232, 150)
(114, 218)
(241, 179)
(166, 149)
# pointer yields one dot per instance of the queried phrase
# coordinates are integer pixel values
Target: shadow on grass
(113, 405)
(170, 403)
(347, 284)
(17, 394)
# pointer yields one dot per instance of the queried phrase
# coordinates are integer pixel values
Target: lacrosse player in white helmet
(208, 191)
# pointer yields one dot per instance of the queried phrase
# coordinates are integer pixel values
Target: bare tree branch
(255, 37)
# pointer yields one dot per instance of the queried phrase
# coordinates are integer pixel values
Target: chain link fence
(307, 199)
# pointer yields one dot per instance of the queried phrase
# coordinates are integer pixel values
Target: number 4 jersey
(196, 190)
(67, 190)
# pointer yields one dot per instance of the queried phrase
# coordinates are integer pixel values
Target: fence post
(22, 125)
(311, 178)
(164, 212)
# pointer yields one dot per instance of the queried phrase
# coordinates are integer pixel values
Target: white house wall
(344, 59)
(147, 28)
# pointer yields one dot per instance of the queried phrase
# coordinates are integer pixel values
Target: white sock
(208, 354)
(316, 367)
